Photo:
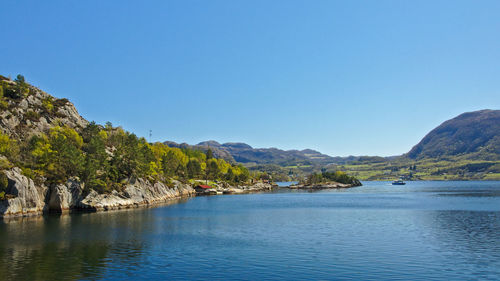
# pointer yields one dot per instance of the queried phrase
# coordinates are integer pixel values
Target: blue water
(286, 183)
(420, 231)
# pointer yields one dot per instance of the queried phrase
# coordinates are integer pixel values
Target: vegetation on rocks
(104, 158)
(324, 177)
(4, 182)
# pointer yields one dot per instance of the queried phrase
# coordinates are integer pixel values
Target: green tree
(67, 157)
(96, 163)
(229, 176)
(4, 182)
(193, 168)
(8, 147)
(212, 171)
(244, 174)
(210, 154)
(132, 156)
(22, 87)
(20, 79)
(58, 155)
(170, 163)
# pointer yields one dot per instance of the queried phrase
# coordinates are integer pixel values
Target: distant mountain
(244, 153)
(472, 134)
(203, 146)
(466, 147)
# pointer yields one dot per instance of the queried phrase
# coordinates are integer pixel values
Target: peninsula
(53, 160)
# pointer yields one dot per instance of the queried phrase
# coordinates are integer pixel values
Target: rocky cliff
(35, 179)
(31, 199)
(27, 111)
(21, 118)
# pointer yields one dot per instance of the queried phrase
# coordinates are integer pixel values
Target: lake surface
(421, 231)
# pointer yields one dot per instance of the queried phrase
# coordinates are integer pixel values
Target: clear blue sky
(342, 77)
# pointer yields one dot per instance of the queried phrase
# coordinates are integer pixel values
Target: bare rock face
(241, 189)
(260, 186)
(184, 190)
(35, 200)
(72, 118)
(140, 192)
(29, 198)
(70, 196)
(28, 116)
(64, 197)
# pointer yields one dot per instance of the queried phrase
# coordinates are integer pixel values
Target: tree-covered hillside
(51, 142)
(465, 147)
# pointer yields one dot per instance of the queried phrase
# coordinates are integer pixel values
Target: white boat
(398, 182)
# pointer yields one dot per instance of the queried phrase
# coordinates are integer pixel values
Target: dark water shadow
(75, 245)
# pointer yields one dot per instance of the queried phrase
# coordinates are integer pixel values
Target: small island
(327, 180)
(54, 160)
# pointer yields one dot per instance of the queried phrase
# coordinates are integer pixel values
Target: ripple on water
(427, 230)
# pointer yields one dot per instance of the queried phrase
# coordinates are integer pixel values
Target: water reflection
(73, 246)
(372, 232)
(32, 248)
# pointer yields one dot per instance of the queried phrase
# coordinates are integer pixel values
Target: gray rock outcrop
(28, 116)
(140, 192)
(224, 188)
(33, 200)
(29, 199)
(25, 198)
(64, 197)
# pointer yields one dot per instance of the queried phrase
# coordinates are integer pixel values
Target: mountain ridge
(475, 133)
(246, 154)
(465, 147)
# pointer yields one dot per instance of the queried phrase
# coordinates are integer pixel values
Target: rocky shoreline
(319, 186)
(30, 199)
(219, 189)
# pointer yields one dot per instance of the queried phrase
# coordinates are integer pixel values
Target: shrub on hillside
(4, 182)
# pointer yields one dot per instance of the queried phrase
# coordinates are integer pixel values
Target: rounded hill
(476, 133)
